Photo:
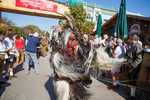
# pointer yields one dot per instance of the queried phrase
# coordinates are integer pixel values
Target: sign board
(37, 5)
(135, 29)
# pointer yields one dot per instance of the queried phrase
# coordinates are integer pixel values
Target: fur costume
(44, 46)
(71, 61)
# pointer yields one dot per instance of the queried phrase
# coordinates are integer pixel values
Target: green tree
(31, 29)
(5, 24)
(80, 15)
(6, 20)
(47, 34)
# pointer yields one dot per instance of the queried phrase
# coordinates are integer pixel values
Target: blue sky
(136, 6)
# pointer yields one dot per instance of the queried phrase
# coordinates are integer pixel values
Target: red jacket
(19, 44)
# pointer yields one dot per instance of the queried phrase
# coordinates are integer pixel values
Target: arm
(113, 55)
(138, 57)
(115, 52)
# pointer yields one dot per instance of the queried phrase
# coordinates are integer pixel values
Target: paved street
(39, 87)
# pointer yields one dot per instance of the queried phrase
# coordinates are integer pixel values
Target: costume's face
(72, 44)
(85, 39)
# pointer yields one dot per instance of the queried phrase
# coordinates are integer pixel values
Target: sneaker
(28, 73)
(37, 73)
(113, 87)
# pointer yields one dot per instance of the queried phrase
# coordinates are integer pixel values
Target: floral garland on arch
(4, 26)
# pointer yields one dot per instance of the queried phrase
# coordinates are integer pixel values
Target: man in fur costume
(44, 46)
(71, 61)
(68, 66)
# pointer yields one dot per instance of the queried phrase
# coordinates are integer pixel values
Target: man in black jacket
(135, 59)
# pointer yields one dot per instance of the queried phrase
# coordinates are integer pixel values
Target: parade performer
(44, 46)
(71, 61)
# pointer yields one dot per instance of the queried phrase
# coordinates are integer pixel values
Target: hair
(121, 37)
(17, 37)
(9, 33)
(1, 33)
(135, 37)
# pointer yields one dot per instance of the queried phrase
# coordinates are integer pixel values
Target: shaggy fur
(78, 92)
(72, 72)
(61, 89)
(100, 59)
(69, 70)
(64, 69)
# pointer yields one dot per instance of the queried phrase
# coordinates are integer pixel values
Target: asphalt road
(40, 87)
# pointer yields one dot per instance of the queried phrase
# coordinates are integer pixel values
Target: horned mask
(85, 39)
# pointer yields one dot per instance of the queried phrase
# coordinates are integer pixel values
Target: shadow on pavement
(50, 88)
(119, 90)
(2, 89)
(18, 68)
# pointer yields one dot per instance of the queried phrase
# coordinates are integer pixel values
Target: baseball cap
(119, 40)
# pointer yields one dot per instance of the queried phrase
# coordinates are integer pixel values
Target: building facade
(94, 10)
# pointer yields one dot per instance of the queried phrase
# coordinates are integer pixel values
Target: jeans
(33, 57)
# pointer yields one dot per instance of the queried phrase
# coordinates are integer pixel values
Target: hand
(6, 50)
(13, 51)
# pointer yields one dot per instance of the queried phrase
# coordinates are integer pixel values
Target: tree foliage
(6, 24)
(6, 20)
(79, 15)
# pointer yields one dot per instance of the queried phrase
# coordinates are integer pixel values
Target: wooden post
(0, 15)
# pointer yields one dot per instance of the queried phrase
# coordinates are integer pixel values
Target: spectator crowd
(14, 48)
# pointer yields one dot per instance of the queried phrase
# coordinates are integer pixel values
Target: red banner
(37, 4)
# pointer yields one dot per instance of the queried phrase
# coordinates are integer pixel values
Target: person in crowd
(126, 46)
(19, 45)
(91, 40)
(106, 42)
(22, 38)
(54, 44)
(100, 39)
(96, 41)
(114, 42)
(110, 44)
(147, 48)
(44, 46)
(32, 42)
(14, 37)
(139, 40)
(119, 52)
(9, 43)
(3, 55)
(105, 36)
(134, 59)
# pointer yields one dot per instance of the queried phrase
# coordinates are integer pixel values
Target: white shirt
(120, 51)
(96, 41)
(9, 44)
(103, 42)
(2, 48)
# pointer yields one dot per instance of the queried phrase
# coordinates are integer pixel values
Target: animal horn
(80, 26)
(73, 22)
(69, 21)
